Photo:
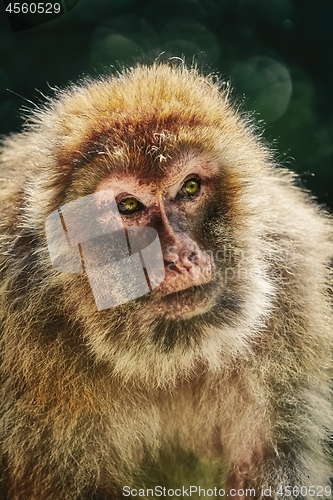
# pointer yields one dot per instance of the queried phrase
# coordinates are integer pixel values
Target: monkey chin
(186, 302)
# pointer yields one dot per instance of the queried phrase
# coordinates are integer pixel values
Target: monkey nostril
(188, 259)
(193, 257)
(170, 265)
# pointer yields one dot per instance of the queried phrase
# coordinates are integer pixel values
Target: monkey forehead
(145, 107)
(148, 186)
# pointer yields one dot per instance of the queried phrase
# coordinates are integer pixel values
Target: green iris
(128, 205)
(191, 186)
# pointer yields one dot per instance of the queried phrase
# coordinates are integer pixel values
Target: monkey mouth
(195, 299)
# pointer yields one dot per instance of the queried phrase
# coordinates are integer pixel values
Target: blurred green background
(277, 54)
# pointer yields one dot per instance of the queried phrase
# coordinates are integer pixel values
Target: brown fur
(89, 398)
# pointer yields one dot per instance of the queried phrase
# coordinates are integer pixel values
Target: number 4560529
(33, 8)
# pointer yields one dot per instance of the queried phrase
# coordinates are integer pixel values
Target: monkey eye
(190, 187)
(128, 206)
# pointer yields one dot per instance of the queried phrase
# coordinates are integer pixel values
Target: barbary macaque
(166, 313)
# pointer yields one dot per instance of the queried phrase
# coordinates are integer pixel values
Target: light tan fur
(96, 400)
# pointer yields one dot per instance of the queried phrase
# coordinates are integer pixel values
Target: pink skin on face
(186, 264)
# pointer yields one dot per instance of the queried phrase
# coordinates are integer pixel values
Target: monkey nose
(185, 260)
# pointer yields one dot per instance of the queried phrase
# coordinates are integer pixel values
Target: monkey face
(176, 158)
(175, 206)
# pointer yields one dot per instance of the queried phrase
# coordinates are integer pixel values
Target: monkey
(216, 373)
